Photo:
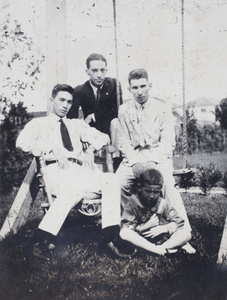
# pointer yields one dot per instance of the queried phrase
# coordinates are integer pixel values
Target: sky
(149, 35)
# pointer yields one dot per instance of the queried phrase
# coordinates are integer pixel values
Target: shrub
(224, 181)
(14, 163)
(13, 169)
(207, 177)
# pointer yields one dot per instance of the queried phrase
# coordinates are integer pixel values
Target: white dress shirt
(44, 134)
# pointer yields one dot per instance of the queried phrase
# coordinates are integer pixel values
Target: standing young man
(98, 99)
(146, 139)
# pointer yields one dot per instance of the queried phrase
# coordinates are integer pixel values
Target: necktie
(98, 95)
(142, 121)
(65, 136)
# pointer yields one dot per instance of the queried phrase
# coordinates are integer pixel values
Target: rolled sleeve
(94, 137)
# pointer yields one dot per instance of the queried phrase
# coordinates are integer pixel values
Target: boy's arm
(171, 216)
(156, 231)
(152, 222)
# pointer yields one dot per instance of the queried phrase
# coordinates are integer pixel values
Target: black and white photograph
(113, 157)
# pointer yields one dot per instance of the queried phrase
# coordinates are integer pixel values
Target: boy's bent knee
(186, 234)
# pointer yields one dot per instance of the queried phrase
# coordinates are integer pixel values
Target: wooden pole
(20, 208)
(116, 51)
(56, 45)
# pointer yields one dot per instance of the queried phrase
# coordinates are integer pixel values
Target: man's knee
(123, 233)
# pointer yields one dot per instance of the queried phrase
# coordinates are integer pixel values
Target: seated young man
(98, 99)
(148, 216)
(146, 138)
(61, 139)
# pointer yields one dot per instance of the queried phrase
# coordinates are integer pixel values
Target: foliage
(206, 138)
(224, 181)
(20, 64)
(207, 177)
(192, 132)
(221, 113)
(14, 162)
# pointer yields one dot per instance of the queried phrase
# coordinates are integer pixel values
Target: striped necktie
(67, 143)
(98, 95)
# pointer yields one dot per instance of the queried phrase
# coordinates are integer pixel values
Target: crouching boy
(148, 217)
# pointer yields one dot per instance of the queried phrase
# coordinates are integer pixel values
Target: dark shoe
(43, 250)
(116, 163)
(175, 252)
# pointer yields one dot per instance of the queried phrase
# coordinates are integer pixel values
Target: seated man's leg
(111, 194)
(117, 159)
(127, 179)
(171, 193)
(69, 186)
(113, 135)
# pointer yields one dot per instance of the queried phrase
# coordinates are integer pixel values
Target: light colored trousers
(169, 192)
(70, 186)
(113, 136)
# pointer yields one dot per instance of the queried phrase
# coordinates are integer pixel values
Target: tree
(20, 64)
(192, 132)
(20, 67)
(221, 116)
(221, 113)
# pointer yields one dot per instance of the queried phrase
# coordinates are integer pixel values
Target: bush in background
(14, 162)
(224, 181)
(206, 138)
(207, 177)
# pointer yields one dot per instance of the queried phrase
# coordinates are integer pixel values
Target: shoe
(43, 250)
(112, 250)
(116, 163)
(188, 248)
(175, 252)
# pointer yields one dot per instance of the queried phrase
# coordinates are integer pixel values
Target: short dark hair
(151, 177)
(61, 87)
(137, 74)
(95, 56)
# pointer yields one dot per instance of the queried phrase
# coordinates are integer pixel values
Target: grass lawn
(203, 159)
(79, 271)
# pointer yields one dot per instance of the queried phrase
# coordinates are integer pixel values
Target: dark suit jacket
(104, 111)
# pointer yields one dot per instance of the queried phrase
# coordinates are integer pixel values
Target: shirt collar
(144, 105)
(153, 209)
(94, 88)
(57, 118)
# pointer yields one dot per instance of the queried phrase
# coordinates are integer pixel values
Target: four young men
(145, 138)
